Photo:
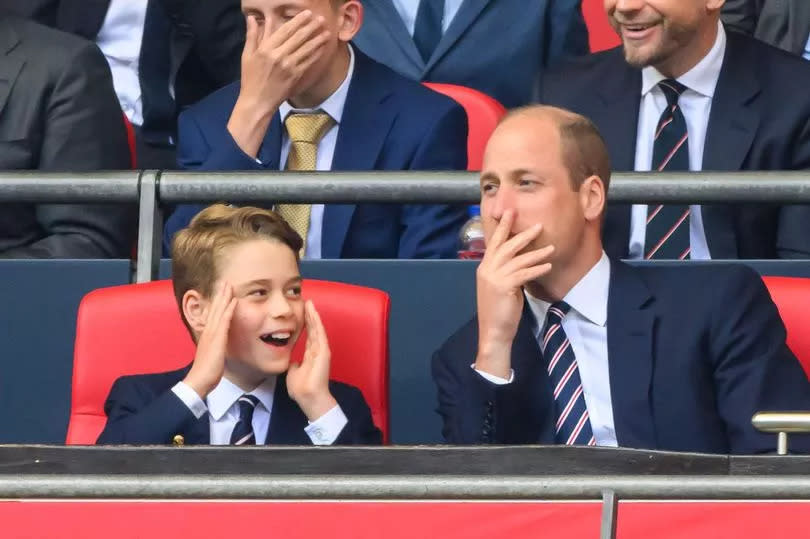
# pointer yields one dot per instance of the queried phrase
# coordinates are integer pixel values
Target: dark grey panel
(37, 328)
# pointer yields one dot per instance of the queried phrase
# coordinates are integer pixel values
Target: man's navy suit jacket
(759, 120)
(389, 123)
(693, 353)
(142, 409)
(499, 47)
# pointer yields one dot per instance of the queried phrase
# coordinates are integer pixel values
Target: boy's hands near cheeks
(209, 361)
(272, 65)
(499, 287)
(308, 381)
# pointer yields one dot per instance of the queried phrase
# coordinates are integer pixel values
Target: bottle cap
(474, 211)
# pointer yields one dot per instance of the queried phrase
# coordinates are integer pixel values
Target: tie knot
(672, 90)
(247, 403)
(558, 310)
(308, 127)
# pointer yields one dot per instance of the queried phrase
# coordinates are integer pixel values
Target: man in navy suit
(498, 47)
(573, 347)
(297, 66)
(732, 98)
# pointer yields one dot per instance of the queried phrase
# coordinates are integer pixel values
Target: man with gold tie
(309, 100)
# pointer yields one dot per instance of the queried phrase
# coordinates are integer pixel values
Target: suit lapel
(467, 13)
(733, 123)
(631, 323)
(10, 66)
(287, 421)
(389, 16)
(363, 129)
(529, 364)
(199, 433)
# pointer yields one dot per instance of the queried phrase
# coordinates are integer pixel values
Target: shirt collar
(220, 400)
(588, 297)
(702, 78)
(333, 105)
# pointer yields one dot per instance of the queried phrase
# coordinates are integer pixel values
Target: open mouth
(636, 31)
(278, 338)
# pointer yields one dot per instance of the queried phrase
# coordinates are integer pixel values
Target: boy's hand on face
(499, 286)
(308, 381)
(272, 65)
(209, 361)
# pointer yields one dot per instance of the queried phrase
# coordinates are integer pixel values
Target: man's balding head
(548, 166)
(582, 147)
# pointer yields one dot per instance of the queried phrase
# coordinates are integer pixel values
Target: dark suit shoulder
(154, 383)
(697, 283)
(581, 71)
(773, 66)
(461, 345)
(420, 100)
(48, 45)
(215, 107)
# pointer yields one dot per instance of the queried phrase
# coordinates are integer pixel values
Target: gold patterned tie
(305, 132)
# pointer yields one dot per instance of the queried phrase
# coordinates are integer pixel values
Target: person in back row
(236, 280)
(573, 347)
(683, 94)
(461, 41)
(308, 100)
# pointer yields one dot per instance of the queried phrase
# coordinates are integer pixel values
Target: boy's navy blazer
(388, 123)
(693, 353)
(142, 409)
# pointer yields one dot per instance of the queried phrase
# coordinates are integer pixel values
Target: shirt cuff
(326, 429)
(497, 380)
(190, 398)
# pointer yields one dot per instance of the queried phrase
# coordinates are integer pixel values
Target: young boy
(237, 284)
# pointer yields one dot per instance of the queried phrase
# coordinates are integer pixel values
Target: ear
(593, 198)
(350, 20)
(195, 310)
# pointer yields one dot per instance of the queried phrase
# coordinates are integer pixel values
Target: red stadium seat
(136, 329)
(483, 114)
(792, 298)
(600, 34)
(133, 154)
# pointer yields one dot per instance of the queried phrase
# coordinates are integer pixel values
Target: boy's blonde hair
(197, 251)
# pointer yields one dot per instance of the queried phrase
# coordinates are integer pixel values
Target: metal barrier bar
(150, 228)
(463, 187)
(405, 487)
(69, 188)
(784, 187)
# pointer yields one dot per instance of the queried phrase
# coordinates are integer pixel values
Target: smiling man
(684, 94)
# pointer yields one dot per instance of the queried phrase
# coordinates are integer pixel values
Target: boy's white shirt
(223, 412)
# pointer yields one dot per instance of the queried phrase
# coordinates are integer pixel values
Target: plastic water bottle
(471, 237)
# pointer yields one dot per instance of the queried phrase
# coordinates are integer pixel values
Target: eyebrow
(267, 282)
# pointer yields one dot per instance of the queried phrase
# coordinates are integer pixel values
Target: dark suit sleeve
(431, 231)
(135, 416)
(217, 29)
(360, 430)
(754, 370)
(742, 15)
(195, 153)
(83, 130)
(566, 33)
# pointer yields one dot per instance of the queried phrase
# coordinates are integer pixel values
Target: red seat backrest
(483, 114)
(792, 298)
(133, 153)
(600, 34)
(137, 329)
